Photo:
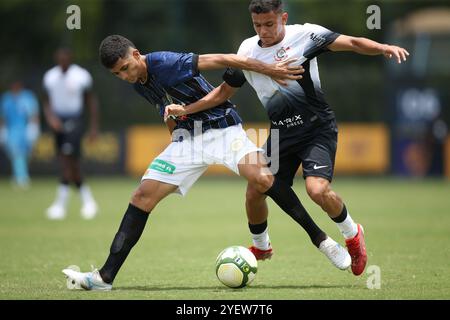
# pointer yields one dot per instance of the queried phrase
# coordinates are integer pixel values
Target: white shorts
(182, 163)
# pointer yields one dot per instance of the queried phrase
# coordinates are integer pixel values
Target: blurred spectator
(68, 88)
(19, 129)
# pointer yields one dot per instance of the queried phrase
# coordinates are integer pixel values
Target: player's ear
(135, 53)
(284, 17)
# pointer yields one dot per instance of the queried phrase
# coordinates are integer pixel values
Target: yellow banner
(362, 148)
(105, 149)
(144, 143)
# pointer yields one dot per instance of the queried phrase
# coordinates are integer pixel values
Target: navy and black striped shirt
(175, 78)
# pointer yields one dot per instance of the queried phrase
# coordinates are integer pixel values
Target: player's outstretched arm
(368, 47)
(217, 96)
(285, 70)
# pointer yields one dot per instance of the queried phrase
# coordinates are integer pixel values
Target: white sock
(348, 227)
(86, 195)
(62, 193)
(262, 241)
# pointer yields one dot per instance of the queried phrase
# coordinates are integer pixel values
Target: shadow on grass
(221, 288)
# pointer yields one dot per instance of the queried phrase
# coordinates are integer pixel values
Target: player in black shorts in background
(68, 88)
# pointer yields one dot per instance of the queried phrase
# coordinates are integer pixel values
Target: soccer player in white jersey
(305, 122)
(211, 136)
(68, 87)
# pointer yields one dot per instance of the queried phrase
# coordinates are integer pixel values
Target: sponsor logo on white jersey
(289, 122)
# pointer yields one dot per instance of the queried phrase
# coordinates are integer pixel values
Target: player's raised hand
(173, 110)
(397, 52)
(285, 70)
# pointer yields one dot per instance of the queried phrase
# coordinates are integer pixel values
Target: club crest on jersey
(281, 54)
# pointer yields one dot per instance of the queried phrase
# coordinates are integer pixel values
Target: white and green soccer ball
(236, 267)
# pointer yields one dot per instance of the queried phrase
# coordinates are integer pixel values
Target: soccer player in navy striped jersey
(298, 111)
(210, 136)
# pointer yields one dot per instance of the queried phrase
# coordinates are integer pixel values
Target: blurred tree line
(31, 30)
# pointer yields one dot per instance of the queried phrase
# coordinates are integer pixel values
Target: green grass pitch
(407, 224)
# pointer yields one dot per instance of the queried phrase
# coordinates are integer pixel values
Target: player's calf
(130, 230)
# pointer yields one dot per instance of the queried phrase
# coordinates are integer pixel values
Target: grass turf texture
(407, 224)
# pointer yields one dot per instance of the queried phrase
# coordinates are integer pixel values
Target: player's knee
(252, 194)
(143, 199)
(317, 192)
(261, 183)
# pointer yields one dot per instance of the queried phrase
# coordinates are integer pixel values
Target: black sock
(286, 199)
(340, 218)
(257, 228)
(64, 182)
(130, 230)
(78, 184)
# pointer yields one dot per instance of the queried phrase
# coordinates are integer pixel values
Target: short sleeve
(171, 68)
(318, 39)
(243, 48)
(87, 84)
(45, 81)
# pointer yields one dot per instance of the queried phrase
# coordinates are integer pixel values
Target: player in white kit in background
(68, 89)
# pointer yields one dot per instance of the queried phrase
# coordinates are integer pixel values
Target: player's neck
(144, 70)
(64, 68)
(281, 38)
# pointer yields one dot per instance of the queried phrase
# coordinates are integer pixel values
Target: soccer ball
(236, 267)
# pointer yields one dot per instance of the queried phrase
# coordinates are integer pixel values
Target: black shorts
(316, 155)
(68, 142)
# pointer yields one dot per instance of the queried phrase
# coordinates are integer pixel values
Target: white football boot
(89, 210)
(56, 212)
(86, 280)
(337, 254)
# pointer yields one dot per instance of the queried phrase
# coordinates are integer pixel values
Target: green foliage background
(32, 29)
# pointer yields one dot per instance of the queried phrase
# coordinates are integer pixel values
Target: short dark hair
(265, 6)
(113, 48)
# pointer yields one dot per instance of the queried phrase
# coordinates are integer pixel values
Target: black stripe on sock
(258, 228)
(340, 218)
